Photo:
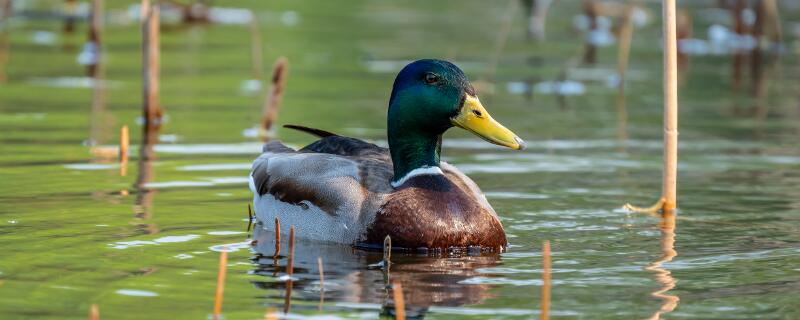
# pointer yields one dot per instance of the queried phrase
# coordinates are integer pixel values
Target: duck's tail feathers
(317, 132)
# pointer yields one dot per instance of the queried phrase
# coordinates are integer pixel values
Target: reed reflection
(661, 274)
(143, 205)
(349, 279)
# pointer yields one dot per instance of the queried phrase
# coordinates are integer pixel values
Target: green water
(73, 232)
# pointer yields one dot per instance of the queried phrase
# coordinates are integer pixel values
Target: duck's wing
(330, 190)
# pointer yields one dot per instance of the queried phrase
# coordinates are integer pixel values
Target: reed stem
(399, 302)
(277, 237)
(670, 175)
(275, 96)
(151, 62)
(223, 267)
(546, 271)
(124, 143)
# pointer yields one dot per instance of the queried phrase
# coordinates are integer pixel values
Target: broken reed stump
(287, 302)
(94, 312)
(124, 142)
(152, 111)
(273, 101)
(223, 267)
(546, 282)
(668, 201)
(399, 302)
(277, 237)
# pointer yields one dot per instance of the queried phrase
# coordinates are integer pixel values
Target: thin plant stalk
(668, 200)
(223, 267)
(151, 62)
(273, 101)
(277, 237)
(546, 282)
(399, 301)
(124, 143)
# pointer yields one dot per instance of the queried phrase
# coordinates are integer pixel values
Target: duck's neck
(413, 152)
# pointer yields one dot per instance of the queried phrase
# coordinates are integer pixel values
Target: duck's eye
(431, 78)
(477, 113)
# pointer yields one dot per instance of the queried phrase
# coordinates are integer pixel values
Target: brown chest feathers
(431, 211)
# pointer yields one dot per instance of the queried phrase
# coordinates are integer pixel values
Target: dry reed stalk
(277, 237)
(670, 176)
(124, 143)
(321, 283)
(399, 302)
(150, 62)
(94, 312)
(668, 201)
(275, 95)
(287, 302)
(546, 283)
(223, 267)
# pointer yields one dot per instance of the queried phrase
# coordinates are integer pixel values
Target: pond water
(146, 245)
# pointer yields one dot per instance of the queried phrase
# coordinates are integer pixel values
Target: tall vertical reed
(151, 62)
(668, 200)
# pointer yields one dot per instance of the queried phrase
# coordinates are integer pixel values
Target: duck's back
(329, 190)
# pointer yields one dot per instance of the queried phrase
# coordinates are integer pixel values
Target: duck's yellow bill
(474, 118)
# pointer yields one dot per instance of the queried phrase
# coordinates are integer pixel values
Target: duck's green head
(430, 96)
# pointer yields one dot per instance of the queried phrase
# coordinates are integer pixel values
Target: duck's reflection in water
(350, 282)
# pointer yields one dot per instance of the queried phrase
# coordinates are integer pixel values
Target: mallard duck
(349, 191)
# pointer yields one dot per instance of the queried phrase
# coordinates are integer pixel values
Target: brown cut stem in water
(223, 266)
(546, 272)
(277, 237)
(399, 302)
(274, 97)
(124, 143)
(151, 62)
